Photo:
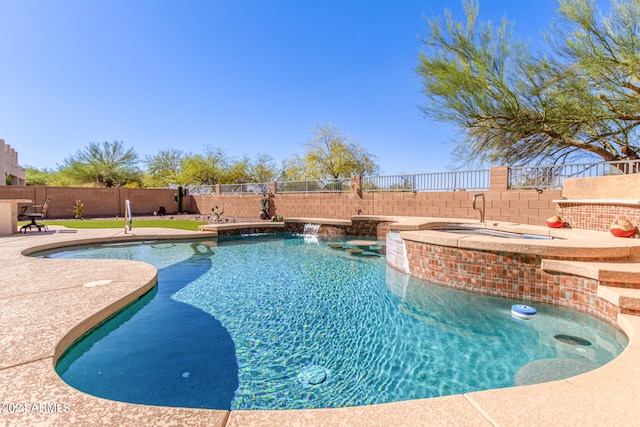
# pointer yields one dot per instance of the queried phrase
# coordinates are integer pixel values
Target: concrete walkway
(45, 304)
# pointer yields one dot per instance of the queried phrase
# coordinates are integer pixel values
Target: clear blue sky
(248, 76)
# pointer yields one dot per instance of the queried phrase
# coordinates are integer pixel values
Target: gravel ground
(206, 218)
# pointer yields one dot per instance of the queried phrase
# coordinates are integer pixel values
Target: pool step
(626, 299)
(620, 272)
(626, 296)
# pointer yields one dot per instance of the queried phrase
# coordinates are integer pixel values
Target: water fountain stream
(311, 229)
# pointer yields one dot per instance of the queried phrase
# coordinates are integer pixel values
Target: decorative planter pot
(621, 233)
(622, 228)
(555, 222)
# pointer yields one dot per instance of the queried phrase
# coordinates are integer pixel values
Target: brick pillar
(273, 187)
(499, 178)
(218, 191)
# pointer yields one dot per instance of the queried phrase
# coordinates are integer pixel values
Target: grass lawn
(119, 223)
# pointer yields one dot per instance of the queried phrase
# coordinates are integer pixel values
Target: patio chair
(39, 211)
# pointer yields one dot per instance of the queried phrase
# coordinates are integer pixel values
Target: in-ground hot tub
(477, 257)
(473, 229)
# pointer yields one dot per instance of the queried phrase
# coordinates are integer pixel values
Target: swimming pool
(280, 322)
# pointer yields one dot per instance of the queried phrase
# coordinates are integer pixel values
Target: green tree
(49, 177)
(263, 168)
(106, 165)
(164, 168)
(332, 155)
(236, 172)
(35, 176)
(293, 169)
(580, 98)
(206, 169)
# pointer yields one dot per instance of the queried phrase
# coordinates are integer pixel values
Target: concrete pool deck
(47, 303)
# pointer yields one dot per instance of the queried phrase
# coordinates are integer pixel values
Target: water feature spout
(481, 209)
(311, 229)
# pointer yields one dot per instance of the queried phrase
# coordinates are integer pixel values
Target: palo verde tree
(260, 169)
(106, 165)
(331, 155)
(174, 167)
(164, 168)
(263, 168)
(206, 169)
(580, 96)
(46, 176)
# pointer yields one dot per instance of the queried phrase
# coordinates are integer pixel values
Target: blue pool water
(283, 322)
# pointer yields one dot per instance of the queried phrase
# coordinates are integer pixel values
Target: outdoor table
(9, 215)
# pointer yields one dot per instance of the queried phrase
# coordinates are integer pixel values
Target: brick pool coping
(46, 303)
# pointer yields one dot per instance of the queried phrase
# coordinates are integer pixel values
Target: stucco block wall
(526, 206)
(603, 187)
(10, 167)
(501, 204)
(237, 205)
(98, 202)
(522, 206)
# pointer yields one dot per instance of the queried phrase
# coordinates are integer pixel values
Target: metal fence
(257, 188)
(552, 176)
(521, 177)
(201, 189)
(252, 188)
(331, 185)
(438, 181)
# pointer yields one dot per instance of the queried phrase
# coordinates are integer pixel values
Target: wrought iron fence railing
(257, 188)
(552, 176)
(520, 177)
(330, 185)
(251, 188)
(201, 189)
(438, 181)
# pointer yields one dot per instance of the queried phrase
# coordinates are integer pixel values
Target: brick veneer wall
(509, 275)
